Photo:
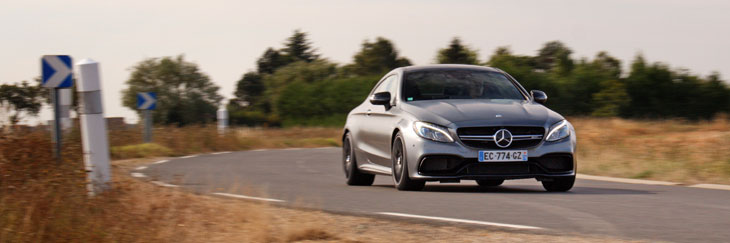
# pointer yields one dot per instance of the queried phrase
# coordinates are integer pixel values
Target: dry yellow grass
(176, 141)
(672, 150)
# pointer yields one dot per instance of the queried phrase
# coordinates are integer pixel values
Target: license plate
(502, 155)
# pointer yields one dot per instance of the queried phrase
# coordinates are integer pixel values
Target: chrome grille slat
(480, 137)
(491, 137)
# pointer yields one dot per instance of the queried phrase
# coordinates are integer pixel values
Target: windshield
(458, 84)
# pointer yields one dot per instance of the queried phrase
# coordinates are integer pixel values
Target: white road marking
(626, 180)
(257, 150)
(159, 183)
(226, 152)
(138, 175)
(141, 168)
(515, 226)
(712, 186)
(247, 197)
(292, 149)
(161, 161)
(189, 156)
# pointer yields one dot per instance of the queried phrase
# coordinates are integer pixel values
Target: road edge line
(137, 175)
(626, 180)
(247, 197)
(161, 161)
(711, 186)
(466, 221)
(159, 183)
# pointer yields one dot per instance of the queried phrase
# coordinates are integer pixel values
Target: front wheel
(559, 184)
(400, 167)
(349, 164)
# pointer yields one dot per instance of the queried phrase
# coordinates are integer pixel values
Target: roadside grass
(670, 150)
(42, 201)
(177, 141)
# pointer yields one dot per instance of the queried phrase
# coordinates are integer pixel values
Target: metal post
(93, 127)
(147, 126)
(56, 124)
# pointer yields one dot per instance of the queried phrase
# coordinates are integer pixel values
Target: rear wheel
(559, 184)
(400, 167)
(489, 183)
(349, 164)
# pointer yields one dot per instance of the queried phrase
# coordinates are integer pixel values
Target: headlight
(559, 131)
(433, 132)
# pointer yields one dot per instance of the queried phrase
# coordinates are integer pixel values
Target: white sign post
(93, 127)
(222, 116)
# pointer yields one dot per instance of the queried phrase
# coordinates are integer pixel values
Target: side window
(386, 85)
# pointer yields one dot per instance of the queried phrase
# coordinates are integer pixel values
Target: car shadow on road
(578, 190)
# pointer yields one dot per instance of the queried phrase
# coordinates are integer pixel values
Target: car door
(381, 121)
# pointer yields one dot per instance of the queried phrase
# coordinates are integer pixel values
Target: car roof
(448, 66)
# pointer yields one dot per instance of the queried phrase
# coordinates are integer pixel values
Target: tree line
(301, 88)
(295, 85)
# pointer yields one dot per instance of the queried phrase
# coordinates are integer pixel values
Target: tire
(489, 183)
(559, 184)
(400, 167)
(349, 164)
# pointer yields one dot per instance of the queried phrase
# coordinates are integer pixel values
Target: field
(43, 201)
(671, 150)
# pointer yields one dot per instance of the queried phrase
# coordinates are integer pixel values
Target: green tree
(377, 58)
(649, 87)
(554, 57)
(457, 53)
(609, 101)
(298, 72)
(323, 102)
(715, 96)
(607, 64)
(250, 89)
(185, 95)
(298, 48)
(19, 100)
(270, 61)
(579, 87)
(522, 68)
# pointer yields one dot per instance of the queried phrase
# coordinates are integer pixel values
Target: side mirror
(539, 96)
(381, 98)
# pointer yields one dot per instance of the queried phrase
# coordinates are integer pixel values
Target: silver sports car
(450, 123)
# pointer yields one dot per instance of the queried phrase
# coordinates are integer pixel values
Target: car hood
(482, 112)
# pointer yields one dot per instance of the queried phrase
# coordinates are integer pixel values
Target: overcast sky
(226, 37)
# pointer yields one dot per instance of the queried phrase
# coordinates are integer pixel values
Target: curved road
(314, 178)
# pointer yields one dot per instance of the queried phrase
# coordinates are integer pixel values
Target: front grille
(444, 165)
(531, 136)
(492, 130)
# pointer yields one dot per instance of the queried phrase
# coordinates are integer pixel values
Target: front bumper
(458, 161)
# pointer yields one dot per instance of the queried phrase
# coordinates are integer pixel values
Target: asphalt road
(314, 178)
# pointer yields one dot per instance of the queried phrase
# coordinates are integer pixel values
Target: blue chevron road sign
(146, 100)
(57, 71)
